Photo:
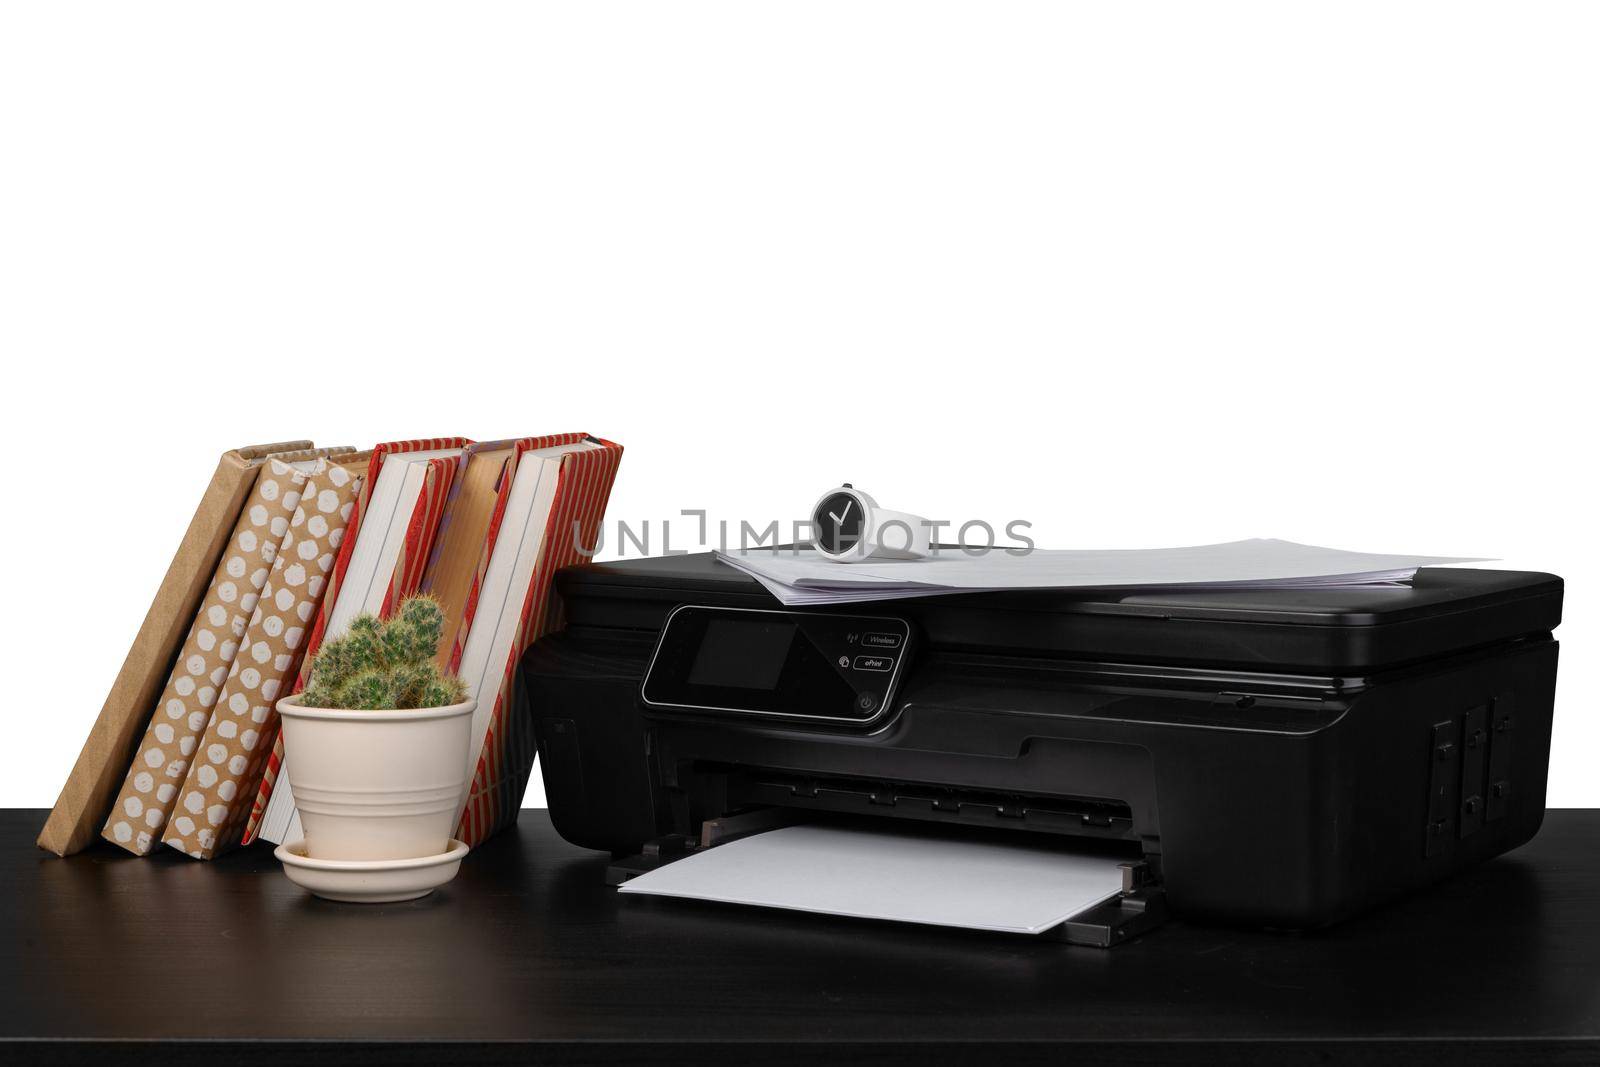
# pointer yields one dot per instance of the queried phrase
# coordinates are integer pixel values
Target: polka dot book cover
(226, 765)
(182, 712)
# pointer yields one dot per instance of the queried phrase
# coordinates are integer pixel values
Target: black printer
(1272, 757)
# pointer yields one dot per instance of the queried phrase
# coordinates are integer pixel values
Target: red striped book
(381, 561)
(554, 504)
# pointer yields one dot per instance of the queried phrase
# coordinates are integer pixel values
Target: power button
(867, 701)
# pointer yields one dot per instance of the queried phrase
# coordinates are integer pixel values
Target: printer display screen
(742, 653)
(817, 666)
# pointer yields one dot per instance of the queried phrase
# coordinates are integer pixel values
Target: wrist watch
(848, 526)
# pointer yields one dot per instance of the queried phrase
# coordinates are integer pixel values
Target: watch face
(838, 523)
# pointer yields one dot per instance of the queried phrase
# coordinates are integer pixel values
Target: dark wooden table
(527, 957)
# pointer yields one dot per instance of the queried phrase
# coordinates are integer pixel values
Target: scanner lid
(1331, 630)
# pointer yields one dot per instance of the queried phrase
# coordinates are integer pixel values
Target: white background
(1144, 274)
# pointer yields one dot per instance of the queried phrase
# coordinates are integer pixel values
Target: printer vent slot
(1078, 816)
(1444, 780)
(1469, 764)
(1499, 780)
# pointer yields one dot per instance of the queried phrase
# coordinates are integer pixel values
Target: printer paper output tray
(1137, 906)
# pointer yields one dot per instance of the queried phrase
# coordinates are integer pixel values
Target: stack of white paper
(983, 885)
(803, 577)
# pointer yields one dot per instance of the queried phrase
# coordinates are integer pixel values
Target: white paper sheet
(806, 578)
(912, 878)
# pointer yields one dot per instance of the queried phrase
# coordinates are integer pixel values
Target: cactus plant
(380, 665)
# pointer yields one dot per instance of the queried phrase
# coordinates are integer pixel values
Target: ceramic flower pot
(377, 785)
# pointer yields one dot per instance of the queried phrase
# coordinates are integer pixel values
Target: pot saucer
(370, 881)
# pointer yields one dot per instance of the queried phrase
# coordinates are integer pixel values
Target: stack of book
(289, 544)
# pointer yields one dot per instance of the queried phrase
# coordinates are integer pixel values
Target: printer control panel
(797, 665)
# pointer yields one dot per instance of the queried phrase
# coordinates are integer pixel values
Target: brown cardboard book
(463, 532)
(80, 810)
(182, 711)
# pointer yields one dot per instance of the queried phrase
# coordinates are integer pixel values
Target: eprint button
(880, 640)
(874, 663)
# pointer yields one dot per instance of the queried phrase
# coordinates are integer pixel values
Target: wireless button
(880, 640)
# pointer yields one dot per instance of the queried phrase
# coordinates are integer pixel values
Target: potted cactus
(378, 741)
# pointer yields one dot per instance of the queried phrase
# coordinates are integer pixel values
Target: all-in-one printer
(1272, 757)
